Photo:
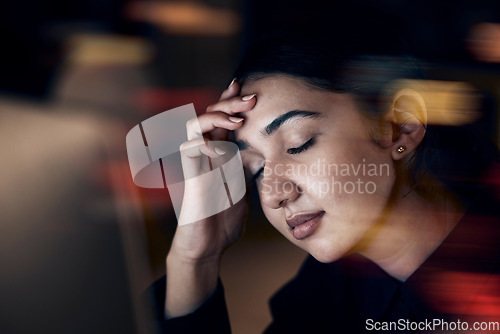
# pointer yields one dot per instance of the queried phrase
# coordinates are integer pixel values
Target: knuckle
(193, 128)
(212, 107)
(185, 145)
(190, 123)
(191, 143)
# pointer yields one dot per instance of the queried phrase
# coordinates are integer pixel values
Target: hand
(194, 257)
(205, 240)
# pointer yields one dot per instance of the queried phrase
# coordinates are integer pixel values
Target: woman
(346, 169)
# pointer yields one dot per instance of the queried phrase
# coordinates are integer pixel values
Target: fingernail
(248, 97)
(219, 151)
(234, 79)
(235, 119)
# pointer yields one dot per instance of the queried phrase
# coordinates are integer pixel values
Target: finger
(194, 159)
(218, 134)
(198, 147)
(207, 122)
(192, 148)
(231, 91)
(210, 150)
(234, 105)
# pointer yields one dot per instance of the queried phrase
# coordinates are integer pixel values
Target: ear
(407, 116)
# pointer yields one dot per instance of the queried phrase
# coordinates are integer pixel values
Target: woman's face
(325, 181)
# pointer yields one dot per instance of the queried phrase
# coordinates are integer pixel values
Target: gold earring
(401, 149)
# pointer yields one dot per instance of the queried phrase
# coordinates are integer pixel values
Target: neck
(410, 230)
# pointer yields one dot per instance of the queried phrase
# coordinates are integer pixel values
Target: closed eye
(303, 147)
(295, 150)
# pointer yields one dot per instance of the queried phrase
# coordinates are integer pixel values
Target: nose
(277, 189)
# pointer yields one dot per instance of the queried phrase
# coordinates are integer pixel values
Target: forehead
(276, 95)
(280, 94)
(276, 86)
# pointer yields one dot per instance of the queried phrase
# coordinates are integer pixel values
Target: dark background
(66, 197)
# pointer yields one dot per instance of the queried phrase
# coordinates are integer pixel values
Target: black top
(460, 280)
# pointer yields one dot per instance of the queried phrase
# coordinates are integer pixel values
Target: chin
(325, 251)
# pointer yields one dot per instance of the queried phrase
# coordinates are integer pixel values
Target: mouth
(304, 225)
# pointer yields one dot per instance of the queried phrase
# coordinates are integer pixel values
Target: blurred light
(466, 293)
(150, 100)
(492, 179)
(187, 18)
(448, 103)
(93, 49)
(484, 42)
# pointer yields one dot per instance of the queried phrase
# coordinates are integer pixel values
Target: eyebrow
(277, 123)
(282, 119)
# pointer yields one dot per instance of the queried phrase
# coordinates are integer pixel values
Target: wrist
(193, 257)
(190, 281)
(178, 257)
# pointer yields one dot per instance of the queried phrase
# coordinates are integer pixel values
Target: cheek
(350, 180)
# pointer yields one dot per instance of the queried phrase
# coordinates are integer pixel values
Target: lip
(303, 225)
